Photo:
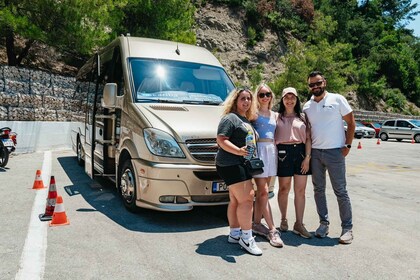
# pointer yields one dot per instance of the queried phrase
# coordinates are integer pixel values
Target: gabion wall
(32, 95)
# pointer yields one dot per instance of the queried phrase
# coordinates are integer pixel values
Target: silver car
(400, 129)
(368, 132)
(358, 132)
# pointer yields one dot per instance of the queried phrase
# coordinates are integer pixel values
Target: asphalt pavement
(105, 241)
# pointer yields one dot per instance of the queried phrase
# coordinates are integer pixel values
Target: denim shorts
(290, 158)
(233, 174)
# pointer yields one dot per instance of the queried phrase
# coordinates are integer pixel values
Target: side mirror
(110, 96)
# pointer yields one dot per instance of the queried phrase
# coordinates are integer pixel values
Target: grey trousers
(333, 161)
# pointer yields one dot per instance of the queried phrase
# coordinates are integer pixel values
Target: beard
(319, 92)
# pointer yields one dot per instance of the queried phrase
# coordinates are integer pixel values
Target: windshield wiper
(152, 100)
(201, 102)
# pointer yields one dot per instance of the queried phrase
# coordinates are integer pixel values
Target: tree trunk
(12, 58)
(10, 48)
(25, 51)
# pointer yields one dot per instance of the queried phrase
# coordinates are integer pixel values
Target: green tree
(161, 19)
(76, 26)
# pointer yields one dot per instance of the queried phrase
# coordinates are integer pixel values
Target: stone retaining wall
(31, 95)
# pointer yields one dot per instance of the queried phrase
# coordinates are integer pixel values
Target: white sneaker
(251, 246)
(234, 239)
(346, 236)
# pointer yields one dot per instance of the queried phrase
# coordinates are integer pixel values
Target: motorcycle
(7, 144)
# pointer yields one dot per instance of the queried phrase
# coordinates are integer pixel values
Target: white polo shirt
(326, 119)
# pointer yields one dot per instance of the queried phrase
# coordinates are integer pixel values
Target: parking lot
(104, 241)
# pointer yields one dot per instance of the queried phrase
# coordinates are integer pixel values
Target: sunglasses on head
(262, 94)
(241, 89)
(316, 84)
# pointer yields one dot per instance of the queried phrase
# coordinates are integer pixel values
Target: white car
(368, 132)
(358, 132)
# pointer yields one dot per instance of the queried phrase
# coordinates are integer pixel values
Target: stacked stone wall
(32, 95)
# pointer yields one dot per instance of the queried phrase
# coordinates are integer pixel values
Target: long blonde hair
(230, 103)
(257, 91)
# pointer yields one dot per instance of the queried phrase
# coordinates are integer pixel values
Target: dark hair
(297, 109)
(315, 73)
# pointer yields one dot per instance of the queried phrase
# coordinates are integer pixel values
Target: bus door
(106, 121)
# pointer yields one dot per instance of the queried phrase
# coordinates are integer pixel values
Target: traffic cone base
(51, 200)
(359, 146)
(38, 183)
(44, 217)
(59, 217)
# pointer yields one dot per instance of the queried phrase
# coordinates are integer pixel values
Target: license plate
(7, 142)
(219, 187)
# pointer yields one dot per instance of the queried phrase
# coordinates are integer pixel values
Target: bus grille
(202, 149)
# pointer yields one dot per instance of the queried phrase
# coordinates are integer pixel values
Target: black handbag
(254, 166)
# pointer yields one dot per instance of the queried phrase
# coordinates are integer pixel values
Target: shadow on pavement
(219, 247)
(291, 239)
(103, 197)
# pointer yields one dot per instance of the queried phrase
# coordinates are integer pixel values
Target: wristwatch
(348, 146)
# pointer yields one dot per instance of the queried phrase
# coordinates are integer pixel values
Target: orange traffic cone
(378, 142)
(51, 199)
(359, 146)
(38, 183)
(412, 140)
(59, 217)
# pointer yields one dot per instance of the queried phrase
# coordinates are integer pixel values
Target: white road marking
(46, 168)
(32, 261)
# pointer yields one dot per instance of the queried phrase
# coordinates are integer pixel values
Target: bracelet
(308, 156)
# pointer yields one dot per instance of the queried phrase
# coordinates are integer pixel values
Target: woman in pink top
(293, 142)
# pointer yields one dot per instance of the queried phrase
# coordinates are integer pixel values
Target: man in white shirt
(330, 145)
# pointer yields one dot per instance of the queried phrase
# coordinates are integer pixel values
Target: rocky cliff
(221, 29)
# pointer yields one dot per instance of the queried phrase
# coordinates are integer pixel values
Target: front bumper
(176, 187)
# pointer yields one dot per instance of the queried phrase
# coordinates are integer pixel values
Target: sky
(415, 25)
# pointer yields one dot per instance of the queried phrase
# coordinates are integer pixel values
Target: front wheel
(384, 137)
(80, 160)
(417, 138)
(128, 186)
(4, 155)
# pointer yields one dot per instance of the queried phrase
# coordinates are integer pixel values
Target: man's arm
(351, 126)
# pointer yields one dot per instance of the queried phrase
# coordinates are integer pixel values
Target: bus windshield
(179, 82)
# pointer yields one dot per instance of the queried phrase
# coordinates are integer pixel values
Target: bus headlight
(161, 143)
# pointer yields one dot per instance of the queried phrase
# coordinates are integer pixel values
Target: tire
(4, 155)
(417, 138)
(128, 186)
(80, 160)
(383, 137)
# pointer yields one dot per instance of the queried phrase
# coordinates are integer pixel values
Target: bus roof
(160, 49)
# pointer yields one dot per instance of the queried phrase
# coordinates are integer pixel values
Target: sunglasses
(316, 84)
(241, 89)
(264, 94)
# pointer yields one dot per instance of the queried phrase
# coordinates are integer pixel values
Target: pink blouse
(290, 130)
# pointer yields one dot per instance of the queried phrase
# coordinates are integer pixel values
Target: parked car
(358, 132)
(400, 129)
(368, 131)
(375, 125)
